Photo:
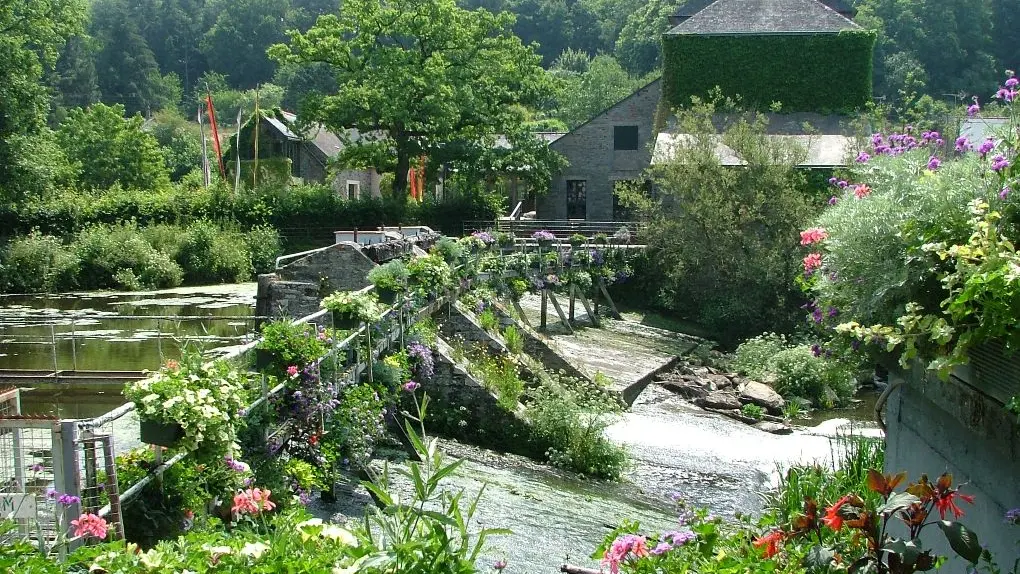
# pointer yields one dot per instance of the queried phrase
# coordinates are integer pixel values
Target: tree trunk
(400, 177)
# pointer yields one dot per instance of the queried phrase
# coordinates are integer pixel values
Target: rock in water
(763, 396)
(719, 400)
(774, 428)
(686, 389)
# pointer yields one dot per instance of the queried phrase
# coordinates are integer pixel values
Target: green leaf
(897, 502)
(962, 539)
(443, 473)
(819, 557)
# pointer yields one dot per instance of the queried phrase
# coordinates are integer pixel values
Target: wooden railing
(559, 227)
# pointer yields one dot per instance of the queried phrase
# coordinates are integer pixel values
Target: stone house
(308, 154)
(764, 51)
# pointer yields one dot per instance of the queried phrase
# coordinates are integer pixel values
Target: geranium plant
(206, 401)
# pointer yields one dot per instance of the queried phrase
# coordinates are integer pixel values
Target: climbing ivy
(825, 73)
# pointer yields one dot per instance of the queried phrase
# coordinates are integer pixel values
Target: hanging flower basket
(263, 359)
(386, 296)
(345, 321)
(160, 433)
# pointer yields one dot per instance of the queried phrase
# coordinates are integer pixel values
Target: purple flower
(1006, 95)
(973, 109)
(37, 467)
(833, 312)
(832, 181)
(543, 235)
(855, 344)
(817, 315)
(962, 144)
(236, 465)
(842, 183)
(411, 386)
(1005, 192)
(934, 163)
(863, 157)
(68, 500)
(500, 565)
(833, 200)
(986, 146)
(999, 163)
(661, 548)
(51, 494)
(816, 350)
(1013, 516)
(681, 538)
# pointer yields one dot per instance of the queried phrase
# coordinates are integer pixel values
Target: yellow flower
(338, 534)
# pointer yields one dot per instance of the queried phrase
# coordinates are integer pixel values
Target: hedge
(825, 73)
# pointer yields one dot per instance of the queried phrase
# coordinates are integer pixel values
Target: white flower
(150, 398)
(338, 534)
(151, 559)
(217, 551)
(254, 549)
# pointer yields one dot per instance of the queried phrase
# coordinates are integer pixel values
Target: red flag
(215, 134)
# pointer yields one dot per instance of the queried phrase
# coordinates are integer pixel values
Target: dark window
(577, 199)
(625, 137)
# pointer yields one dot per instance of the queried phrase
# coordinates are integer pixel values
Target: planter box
(345, 321)
(162, 434)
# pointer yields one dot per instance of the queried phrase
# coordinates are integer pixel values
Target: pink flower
(812, 261)
(173, 365)
(411, 386)
(90, 525)
(862, 191)
(292, 371)
(624, 546)
(813, 235)
(252, 501)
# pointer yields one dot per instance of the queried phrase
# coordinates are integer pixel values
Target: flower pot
(162, 434)
(263, 359)
(545, 243)
(386, 296)
(345, 321)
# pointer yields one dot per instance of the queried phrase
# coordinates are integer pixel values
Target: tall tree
(236, 44)
(173, 30)
(128, 73)
(32, 33)
(106, 149)
(639, 45)
(601, 83)
(424, 72)
(75, 81)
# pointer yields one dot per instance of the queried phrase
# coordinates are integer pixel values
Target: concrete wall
(589, 149)
(936, 427)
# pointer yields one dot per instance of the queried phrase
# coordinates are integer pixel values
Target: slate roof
(764, 17)
(822, 150)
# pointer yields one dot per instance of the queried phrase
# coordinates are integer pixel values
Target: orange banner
(215, 134)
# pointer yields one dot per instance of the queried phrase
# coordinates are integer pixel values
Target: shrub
(753, 411)
(290, 344)
(37, 263)
(391, 276)
(264, 245)
(489, 321)
(501, 375)
(450, 249)
(514, 340)
(796, 370)
(429, 274)
(209, 255)
(120, 255)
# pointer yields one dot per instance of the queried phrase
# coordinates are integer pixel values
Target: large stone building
(806, 54)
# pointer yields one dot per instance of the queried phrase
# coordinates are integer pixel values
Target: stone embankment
(727, 393)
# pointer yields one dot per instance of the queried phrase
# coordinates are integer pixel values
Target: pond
(115, 331)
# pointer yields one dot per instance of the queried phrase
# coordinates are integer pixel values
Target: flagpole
(237, 152)
(206, 176)
(258, 124)
(215, 134)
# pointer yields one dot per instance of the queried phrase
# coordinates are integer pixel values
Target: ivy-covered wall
(824, 73)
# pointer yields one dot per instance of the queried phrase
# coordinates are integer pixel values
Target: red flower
(771, 543)
(945, 502)
(862, 191)
(313, 440)
(812, 261)
(832, 518)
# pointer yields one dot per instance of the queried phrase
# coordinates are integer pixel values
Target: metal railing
(559, 227)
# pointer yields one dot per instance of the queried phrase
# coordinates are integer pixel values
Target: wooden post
(572, 289)
(542, 321)
(591, 316)
(112, 490)
(609, 300)
(559, 311)
(520, 312)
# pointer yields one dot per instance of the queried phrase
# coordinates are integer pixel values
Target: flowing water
(676, 451)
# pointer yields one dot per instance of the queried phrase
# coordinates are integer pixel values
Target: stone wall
(368, 180)
(936, 427)
(536, 346)
(462, 408)
(464, 325)
(589, 149)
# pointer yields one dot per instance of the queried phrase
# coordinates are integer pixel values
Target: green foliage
(123, 254)
(762, 69)
(236, 43)
(722, 241)
(179, 142)
(375, 47)
(429, 274)
(34, 31)
(425, 331)
(795, 370)
(638, 48)
(391, 276)
(451, 250)
(290, 344)
(514, 340)
(753, 411)
(501, 375)
(358, 424)
(35, 263)
(209, 255)
(489, 320)
(354, 305)
(108, 149)
(572, 419)
(264, 246)
(602, 83)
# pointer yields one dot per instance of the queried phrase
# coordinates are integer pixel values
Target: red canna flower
(944, 496)
(770, 542)
(832, 518)
(313, 440)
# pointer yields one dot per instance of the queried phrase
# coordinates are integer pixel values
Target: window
(353, 189)
(625, 138)
(577, 199)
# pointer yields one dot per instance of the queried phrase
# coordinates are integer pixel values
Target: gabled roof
(724, 17)
(821, 150)
(548, 137)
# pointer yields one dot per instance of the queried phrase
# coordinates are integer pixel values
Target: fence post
(66, 476)
(74, 348)
(53, 342)
(112, 489)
